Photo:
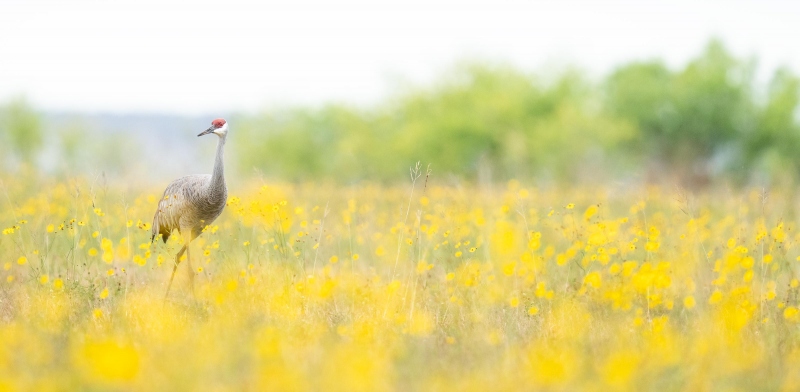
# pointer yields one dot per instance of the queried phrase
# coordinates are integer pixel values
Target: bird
(193, 202)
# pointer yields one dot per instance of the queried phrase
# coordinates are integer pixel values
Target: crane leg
(187, 238)
(191, 269)
(175, 267)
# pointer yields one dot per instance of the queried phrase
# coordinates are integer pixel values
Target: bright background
(206, 57)
(148, 75)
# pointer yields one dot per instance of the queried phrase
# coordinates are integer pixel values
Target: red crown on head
(218, 123)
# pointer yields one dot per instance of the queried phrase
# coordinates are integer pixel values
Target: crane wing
(175, 203)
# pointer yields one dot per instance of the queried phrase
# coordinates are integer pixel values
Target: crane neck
(218, 176)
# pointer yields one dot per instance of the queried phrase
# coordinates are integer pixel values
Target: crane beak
(207, 131)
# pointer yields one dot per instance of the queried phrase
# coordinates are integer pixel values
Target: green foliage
(304, 143)
(689, 116)
(705, 120)
(480, 115)
(774, 142)
(21, 130)
(709, 119)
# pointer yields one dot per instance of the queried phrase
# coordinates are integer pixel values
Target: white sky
(192, 57)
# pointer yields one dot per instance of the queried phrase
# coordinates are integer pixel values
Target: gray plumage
(189, 202)
(192, 202)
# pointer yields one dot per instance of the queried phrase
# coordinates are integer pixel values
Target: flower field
(416, 286)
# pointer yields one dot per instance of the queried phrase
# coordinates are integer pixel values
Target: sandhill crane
(190, 203)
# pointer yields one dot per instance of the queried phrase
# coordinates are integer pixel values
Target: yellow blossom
(791, 313)
(715, 298)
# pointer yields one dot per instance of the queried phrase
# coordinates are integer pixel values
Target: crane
(192, 202)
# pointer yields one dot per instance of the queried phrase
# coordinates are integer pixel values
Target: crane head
(219, 127)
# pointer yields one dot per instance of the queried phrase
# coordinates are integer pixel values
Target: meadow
(414, 286)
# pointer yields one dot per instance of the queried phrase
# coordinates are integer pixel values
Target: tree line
(705, 121)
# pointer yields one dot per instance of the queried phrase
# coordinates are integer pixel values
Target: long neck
(218, 177)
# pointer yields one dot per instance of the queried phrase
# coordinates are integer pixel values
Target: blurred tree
(498, 116)
(641, 92)
(691, 117)
(305, 143)
(480, 118)
(772, 146)
(72, 142)
(22, 130)
(713, 104)
(489, 120)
